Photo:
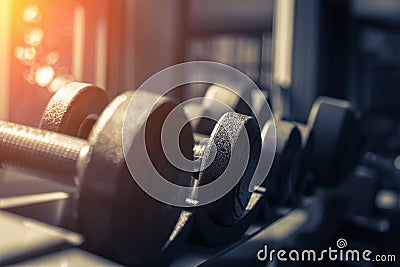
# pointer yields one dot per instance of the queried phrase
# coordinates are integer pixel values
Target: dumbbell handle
(42, 153)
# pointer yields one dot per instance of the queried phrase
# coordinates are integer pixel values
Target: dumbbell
(282, 177)
(226, 219)
(222, 140)
(225, 138)
(330, 146)
(244, 101)
(330, 142)
(118, 220)
(73, 110)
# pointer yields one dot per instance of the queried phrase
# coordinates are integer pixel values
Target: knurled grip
(42, 153)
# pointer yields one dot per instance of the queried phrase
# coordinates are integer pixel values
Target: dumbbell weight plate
(282, 178)
(226, 219)
(304, 184)
(215, 103)
(74, 109)
(334, 128)
(248, 101)
(119, 220)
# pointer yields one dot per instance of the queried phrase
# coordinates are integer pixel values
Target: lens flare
(33, 36)
(52, 57)
(26, 55)
(29, 76)
(19, 52)
(31, 14)
(44, 75)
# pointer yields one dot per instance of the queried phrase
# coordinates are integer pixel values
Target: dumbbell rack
(195, 255)
(281, 225)
(43, 201)
(53, 204)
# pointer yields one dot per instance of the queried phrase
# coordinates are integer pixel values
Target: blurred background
(294, 50)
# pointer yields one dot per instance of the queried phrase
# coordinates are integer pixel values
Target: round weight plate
(304, 184)
(334, 129)
(215, 103)
(206, 231)
(231, 156)
(119, 220)
(281, 180)
(230, 98)
(242, 157)
(73, 109)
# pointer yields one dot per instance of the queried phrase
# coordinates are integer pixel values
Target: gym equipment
(114, 214)
(234, 204)
(211, 108)
(247, 101)
(225, 142)
(74, 109)
(23, 237)
(330, 144)
(226, 219)
(283, 175)
(330, 140)
(68, 257)
(82, 163)
(34, 197)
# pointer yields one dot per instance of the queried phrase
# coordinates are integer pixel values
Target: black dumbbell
(224, 133)
(116, 217)
(330, 142)
(225, 138)
(226, 219)
(281, 180)
(248, 101)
